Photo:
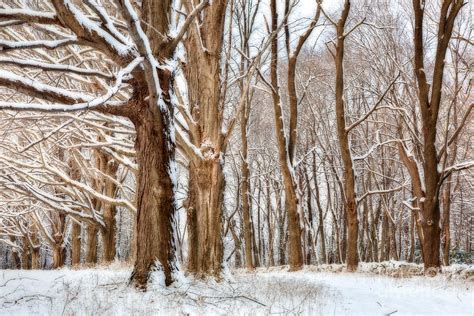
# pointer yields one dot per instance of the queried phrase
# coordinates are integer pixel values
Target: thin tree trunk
(352, 258)
(295, 253)
(245, 185)
(322, 234)
(271, 255)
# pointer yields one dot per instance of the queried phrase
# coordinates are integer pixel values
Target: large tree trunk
(206, 182)
(91, 252)
(109, 233)
(429, 101)
(76, 243)
(110, 211)
(59, 251)
(58, 256)
(206, 178)
(431, 231)
(25, 254)
(35, 249)
(156, 206)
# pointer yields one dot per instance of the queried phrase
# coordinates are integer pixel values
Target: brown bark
(152, 115)
(446, 222)
(35, 249)
(108, 167)
(58, 249)
(75, 174)
(429, 101)
(310, 230)
(295, 253)
(205, 224)
(322, 232)
(245, 185)
(238, 245)
(58, 256)
(109, 212)
(25, 254)
(206, 178)
(91, 252)
(151, 111)
(280, 211)
(352, 258)
(271, 256)
(76, 243)
(155, 200)
(385, 246)
(255, 248)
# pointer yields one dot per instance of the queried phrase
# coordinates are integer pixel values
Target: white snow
(105, 291)
(92, 27)
(38, 86)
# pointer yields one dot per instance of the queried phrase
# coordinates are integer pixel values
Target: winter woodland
(236, 156)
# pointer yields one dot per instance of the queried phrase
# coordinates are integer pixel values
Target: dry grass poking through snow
(105, 292)
(396, 269)
(316, 290)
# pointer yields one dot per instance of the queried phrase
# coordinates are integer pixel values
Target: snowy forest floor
(312, 291)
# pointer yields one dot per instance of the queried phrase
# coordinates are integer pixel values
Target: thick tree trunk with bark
(25, 254)
(35, 249)
(109, 238)
(91, 248)
(76, 243)
(155, 195)
(206, 183)
(57, 245)
(109, 233)
(58, 256)
(206, 177)
(429, 101)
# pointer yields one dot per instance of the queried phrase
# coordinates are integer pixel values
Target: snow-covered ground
(105, 292)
